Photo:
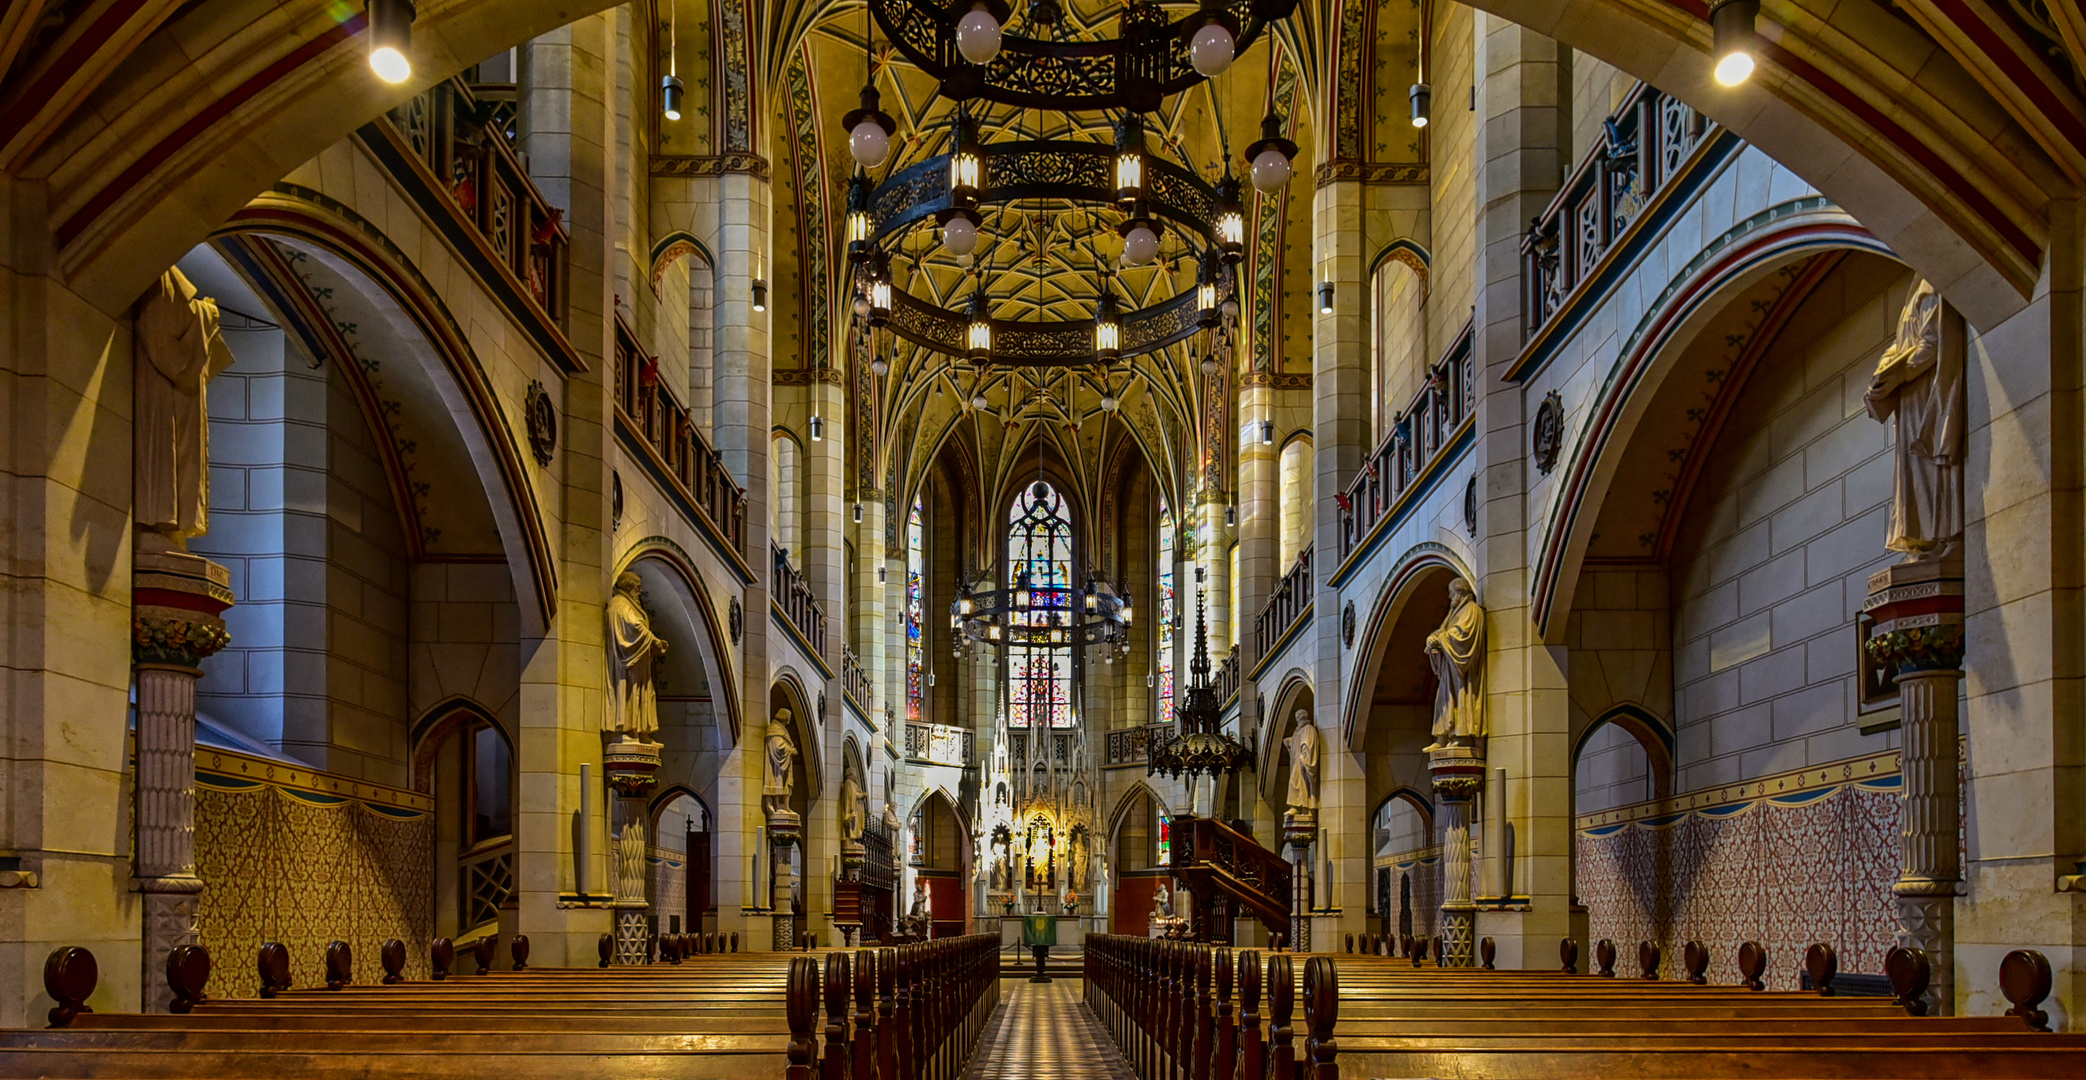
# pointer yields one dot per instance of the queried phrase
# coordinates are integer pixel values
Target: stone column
(633, 771)
(785, 831)
(175, 622)
(1258, 510)
(1918, 613)
(1458, 772)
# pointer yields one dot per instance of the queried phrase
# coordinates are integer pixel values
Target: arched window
(915, 614)
(1167, 608)
(1039, 543)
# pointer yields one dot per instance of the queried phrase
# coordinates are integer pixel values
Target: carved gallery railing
(1647, 141)
(799, 604)
(1419, 436)
(488, 883)
(1292, 596)
(463, 141)
(1060, 745)
(940, 744)
(659, 417)
(1127, 746)
(1208, 852)
(854, 679)
(1228, 675)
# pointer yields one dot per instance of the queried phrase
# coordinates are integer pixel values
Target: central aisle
(1042, 1031)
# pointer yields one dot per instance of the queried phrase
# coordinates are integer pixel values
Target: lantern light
(978, 337)
(1733, 26)
(857, 221)
(390, 37)
(1108, 329)
(1230, 225)
(1129, 159)
(1273, 156)
(1207, 275)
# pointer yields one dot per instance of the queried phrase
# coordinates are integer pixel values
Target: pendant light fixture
(858, 217)
(1230, 225)
(966, 173)
(978, 29)
(869, 128)
(1108, 328)
(1733, 25)
(390, 38)
(978, 335)
(1140, 238)
(1129, 159)
(1422, 104)
(1206, 282)
(1213, 38)
(1273, 157)
(670, 88)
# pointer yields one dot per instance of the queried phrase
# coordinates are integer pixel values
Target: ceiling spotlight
(1325, 298)
(390, 36)
(1732, 25)
(1422, 102)
(760, 295)
(1273, 156)
(1267, 433)
(1213, 38)
(818, 428)
(670, 91)
(858, 513)
(869, 130)
(978, 30)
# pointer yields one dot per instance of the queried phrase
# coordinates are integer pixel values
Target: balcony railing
(1128, 746)
(940, 744)
(1419, 436)
(854, 679)
(653, 411)
(463, 141)
(794, 596)
(1285, 605)
(1647, 141)
(1228, 676)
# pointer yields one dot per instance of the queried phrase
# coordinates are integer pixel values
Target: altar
(1071, 929)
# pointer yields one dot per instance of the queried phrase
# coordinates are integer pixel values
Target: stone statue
(919, 910)
(1303, 764)
(633, 664)
(776, 781)
(1162, 903)
(854, 808)
(1920, 385)
(175, 351)
(1456, 651)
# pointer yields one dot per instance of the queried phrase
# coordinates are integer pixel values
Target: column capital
(177, 603)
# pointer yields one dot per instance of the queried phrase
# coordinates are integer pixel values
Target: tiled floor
(1042, 1031)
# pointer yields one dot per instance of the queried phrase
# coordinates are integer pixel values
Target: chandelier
(1198, 745)
(1051, 617)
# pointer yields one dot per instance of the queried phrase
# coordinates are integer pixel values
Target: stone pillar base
(1458, 944)
(1928, 923)
(785, 933)
(633, 935)
(172, 919)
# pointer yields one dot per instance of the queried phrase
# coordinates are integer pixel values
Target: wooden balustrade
(793, 595)
(463, 141)
(1420, 436)
(855, 681)
(1167, 1006)
(1229, 673)
(1130, 746)
(1647, 141)
(660, 420)
(1286, 604)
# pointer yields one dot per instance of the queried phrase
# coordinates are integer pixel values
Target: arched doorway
(1138, 851)
(1405, 887)
(940, 859)
(680, 865)
(465, 759)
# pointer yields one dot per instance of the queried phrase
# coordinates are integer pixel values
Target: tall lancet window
(1168, 540)
(1039, 543)
(915, 614)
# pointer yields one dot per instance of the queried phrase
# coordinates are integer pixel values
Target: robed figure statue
(1919, 384)
(1456, 652)
(777, 782)
(175, 350)
(633, 664)
(1303, 764)
(854, 807)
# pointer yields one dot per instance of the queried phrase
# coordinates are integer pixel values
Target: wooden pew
(719, 1015)
(1379, 1017)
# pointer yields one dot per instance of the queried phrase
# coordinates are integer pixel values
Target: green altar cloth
(1039, 930)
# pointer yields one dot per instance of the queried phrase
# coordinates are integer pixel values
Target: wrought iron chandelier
(1053, 617)
(1198, 745)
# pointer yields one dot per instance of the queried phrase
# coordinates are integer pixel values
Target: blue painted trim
(1409, 502)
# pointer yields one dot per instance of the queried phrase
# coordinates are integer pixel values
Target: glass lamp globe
(869, 144)
(861, 307)
(1211, 50)
(1209, 365)
(1139, 245)
(1270, 170)
(880, 366)
(978, 35)
(960, 236)
(1230, 308)
(1108, 403)
(979, 403)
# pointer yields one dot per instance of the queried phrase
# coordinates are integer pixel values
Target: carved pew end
(1604, 958)
(2024, 977)
(393, 957)
(1822, 964)
(1488, 952)
(69, 976)
(1910, 974)
(340, 965)
(273, 962)
(441, 956)
(1752, 965)
(188, 972)
(1568, 955)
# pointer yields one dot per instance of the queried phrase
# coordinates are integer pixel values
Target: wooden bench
(910, 1011)
(1170, 1006)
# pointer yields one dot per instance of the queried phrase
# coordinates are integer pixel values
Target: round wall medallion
(737, 620)
(542, 415)
(615, 499)
(1470, 506)
(1347, 625)
(1549, 432)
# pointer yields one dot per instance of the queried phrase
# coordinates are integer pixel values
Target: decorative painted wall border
(1877, 771)
(227, 770)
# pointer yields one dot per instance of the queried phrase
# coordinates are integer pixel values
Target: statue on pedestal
(175, 351)
(1456, 651)
(1162, 903)
(1303, 766)
(854, 807)
(633, 655)
(1919, 385)
(777, 782)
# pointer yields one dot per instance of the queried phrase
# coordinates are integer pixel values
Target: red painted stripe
(31, 99)
(186, 601)
(210, 114)
(2061, 114)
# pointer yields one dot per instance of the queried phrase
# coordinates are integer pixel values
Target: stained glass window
(1166, 613)
(915, 614)
(1039, 542)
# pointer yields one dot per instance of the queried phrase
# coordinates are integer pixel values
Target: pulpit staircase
(1226, 870)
